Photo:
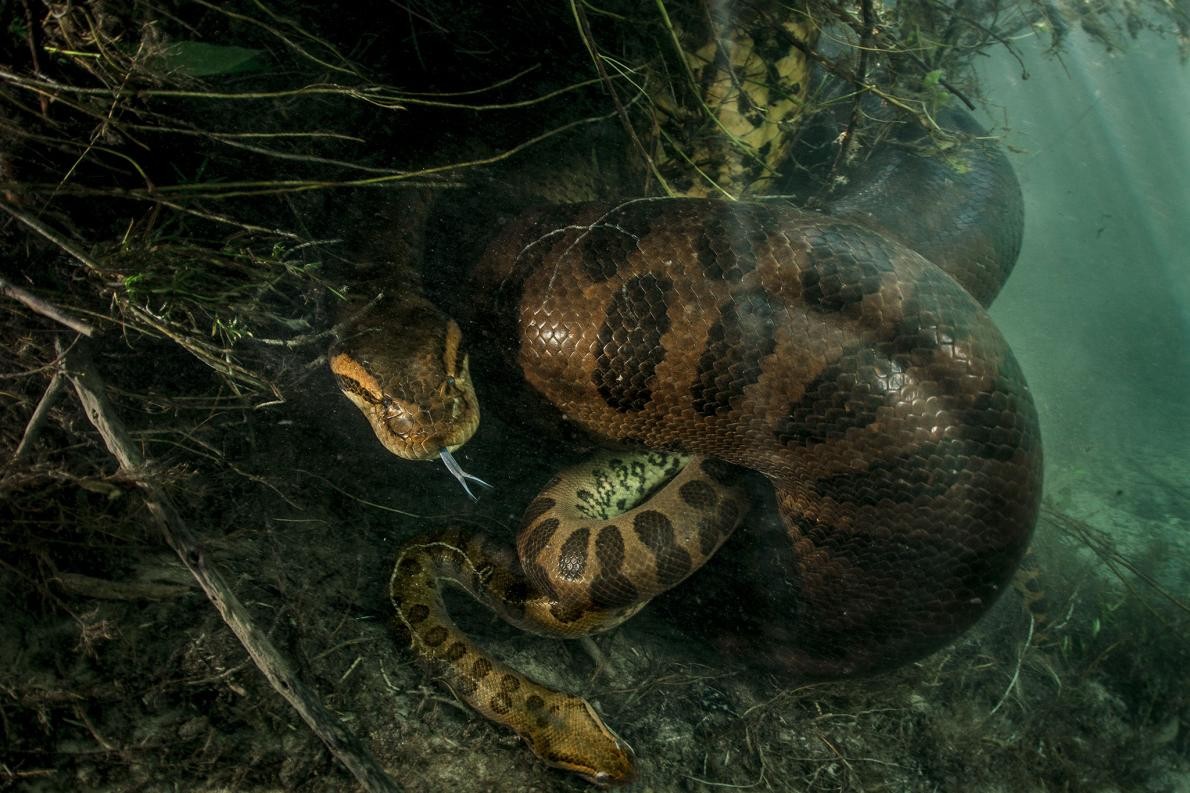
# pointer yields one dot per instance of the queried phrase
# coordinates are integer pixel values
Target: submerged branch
(57, 239)
(344, 745)
(37, 420)
(1102, 545)
(35, 303)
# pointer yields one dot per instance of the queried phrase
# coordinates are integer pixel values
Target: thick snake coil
(861, 376)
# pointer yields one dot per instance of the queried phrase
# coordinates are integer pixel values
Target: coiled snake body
(862, 378)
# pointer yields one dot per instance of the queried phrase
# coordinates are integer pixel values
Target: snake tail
(563, 730)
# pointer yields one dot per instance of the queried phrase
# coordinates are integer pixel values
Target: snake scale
(845, 355)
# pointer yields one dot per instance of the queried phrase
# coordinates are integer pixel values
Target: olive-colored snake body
(864, 380)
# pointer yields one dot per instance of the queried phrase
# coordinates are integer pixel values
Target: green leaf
(199, 59)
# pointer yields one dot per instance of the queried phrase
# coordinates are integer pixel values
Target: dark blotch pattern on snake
(854, 369)
(861, 379)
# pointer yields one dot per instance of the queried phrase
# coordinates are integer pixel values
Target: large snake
(845, 355)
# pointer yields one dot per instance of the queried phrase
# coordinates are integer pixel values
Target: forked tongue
(453, 466)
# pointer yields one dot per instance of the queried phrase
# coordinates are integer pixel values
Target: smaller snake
(432, 409)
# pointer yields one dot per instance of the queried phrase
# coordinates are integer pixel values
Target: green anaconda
(845, 355)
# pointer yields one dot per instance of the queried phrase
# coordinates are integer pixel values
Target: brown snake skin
(860, 378)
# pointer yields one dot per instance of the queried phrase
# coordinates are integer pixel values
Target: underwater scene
(687, 395)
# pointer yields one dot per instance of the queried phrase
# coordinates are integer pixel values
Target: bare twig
(35, 303)
(924, 119)
(313, 338)
(103, 589)
(53, 236)
(1102, 546)
(580, 16)
(1016, 673)
(877, 33)
(210, 354)
(861, 73)
(89, 387)
(38, 418)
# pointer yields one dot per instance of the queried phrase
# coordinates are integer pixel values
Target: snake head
(619, 767)
(405, 369)
(573, 738)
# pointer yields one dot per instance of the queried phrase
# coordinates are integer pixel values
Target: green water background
(1098, 309)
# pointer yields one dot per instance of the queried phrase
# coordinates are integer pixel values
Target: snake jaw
(624, 771)
(593, 751)
(605, 779)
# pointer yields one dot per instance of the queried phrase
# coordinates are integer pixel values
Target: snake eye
(460, 375)
(393, 409)
(397, 417)
(402, 425)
